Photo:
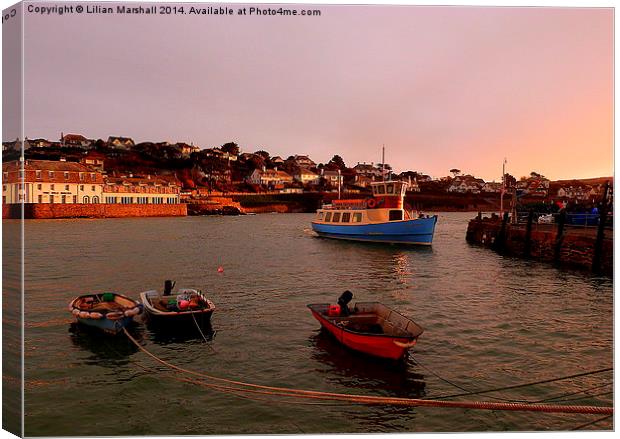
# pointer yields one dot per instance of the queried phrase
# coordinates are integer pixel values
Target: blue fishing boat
(109, 312)
(380, 218)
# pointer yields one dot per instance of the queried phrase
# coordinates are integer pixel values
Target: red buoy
(220, 269)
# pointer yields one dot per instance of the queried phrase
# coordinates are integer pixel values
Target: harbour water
(490, 321)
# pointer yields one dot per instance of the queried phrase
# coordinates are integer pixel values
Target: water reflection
(356, 370)
(166, 334)
(106, 350)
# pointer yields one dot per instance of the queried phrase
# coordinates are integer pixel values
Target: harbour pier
(588, 247)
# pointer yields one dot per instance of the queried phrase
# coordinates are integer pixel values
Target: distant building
(75, 140)
(94, 160)
(492, 187)
(142, 190)
(269, 177)
(466, 184)
(333, 178)
(277, 160)
(185, 149)
(303, 161)
(45, 181)
(535, 186)
(368, 170)
(305, 176)
(120, 142)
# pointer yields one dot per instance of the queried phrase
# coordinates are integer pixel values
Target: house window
(92, 176)
(66, 176)
(39, 186)
(38, 174)
(51, 187)
(40, 197)
(5, 174)
(81, 176)
(75, 199)
(66, 187)
(92, 188)
(336, 217)
(63, 199)
(346, 217)
(4, 199)
(95, 200)
(396, 215)
(86, 200)
(51, 174)
(357, 217)
(81, 187)
(4, 187)
(51, 199)
(328, 217)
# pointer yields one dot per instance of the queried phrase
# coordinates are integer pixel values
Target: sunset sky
(441, 87)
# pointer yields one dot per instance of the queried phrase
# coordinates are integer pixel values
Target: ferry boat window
(390, 188)
(328, 217)
(336, 217)
(357, 217)
(320, 216)
(396, 215)
(381, 189)
(346, 217)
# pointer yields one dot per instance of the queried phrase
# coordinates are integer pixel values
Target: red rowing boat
(372, 328)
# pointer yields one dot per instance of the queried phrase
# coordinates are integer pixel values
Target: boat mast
(383, 162)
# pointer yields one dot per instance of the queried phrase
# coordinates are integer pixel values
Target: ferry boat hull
(417, 231)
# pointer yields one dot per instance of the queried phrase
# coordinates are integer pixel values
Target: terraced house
(44, 181)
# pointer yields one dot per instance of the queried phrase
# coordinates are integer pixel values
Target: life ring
(371, 203)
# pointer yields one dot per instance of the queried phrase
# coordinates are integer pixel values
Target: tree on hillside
(231, 148)
(264, 154)
(535, 174)
(456, 172)
(337, 162)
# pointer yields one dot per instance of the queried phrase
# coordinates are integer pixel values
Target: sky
(440, 87)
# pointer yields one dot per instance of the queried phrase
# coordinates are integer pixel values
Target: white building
(45, 181)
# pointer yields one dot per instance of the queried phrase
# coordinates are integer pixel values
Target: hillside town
(79, 170)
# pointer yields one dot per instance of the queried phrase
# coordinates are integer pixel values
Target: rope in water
(381, 400)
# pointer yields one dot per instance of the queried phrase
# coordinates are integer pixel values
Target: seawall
(574, 247)
(55, 211)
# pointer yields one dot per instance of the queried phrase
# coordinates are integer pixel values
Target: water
(490, 321)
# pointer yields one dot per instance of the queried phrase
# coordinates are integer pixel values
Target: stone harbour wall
(574, 248)
(56, 210)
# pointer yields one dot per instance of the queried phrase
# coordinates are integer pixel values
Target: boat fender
(371, 203)
(115, 315)
(75, 311)
(96, 315)
(132, 312)
(84, 314)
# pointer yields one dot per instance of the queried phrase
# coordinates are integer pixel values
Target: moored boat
(110, 312)
(372, 328)
(184, 306)
(380, 218)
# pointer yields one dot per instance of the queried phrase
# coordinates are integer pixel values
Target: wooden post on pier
(528, 234)
(501, 236)
(560, 235)
(600, 235)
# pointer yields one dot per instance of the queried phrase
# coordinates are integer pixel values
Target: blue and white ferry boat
(380, 218)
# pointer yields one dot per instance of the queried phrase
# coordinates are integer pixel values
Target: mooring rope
(380, 400)
(517, 386)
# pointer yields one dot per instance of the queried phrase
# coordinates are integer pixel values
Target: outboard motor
(343, 301)
(168, 286)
